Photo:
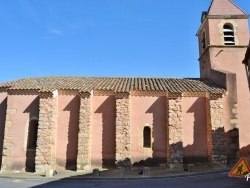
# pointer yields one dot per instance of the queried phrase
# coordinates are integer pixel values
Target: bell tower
(223, 40)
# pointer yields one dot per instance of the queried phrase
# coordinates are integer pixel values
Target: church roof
(224, 7)
(117, 84)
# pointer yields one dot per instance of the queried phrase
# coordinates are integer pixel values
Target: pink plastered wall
(67, 131)
(148, 111)
(103, 131)
(229, 58)
(232, 61)
(22, 109)
(194, 129)
(242, 91)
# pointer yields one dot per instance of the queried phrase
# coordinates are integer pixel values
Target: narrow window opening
(228, 35)
(203, 69)
(146, 137)
(203, 41)
(32, 134)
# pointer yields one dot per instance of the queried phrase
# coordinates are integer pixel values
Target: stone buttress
(84, 135)
(175, 142)
(47, 130)
(216, 134)
(123, 127)
(8, 146)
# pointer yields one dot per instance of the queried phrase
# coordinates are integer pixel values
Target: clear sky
(130, 38)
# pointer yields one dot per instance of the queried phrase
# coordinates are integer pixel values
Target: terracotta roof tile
(224, 7)
(117, 84)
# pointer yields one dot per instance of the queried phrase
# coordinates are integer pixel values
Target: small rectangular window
(32, 134)
(147, 137)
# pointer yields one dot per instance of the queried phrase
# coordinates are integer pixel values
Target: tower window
(228, 35)
(146, 137)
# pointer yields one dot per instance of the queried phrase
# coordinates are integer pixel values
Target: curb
(115, 178)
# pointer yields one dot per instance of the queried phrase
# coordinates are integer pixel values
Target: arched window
(32, 134)
(228, 35)
(146, 137)
(203, 41)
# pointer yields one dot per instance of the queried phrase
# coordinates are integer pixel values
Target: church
(81, 123)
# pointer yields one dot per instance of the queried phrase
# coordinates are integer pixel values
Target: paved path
(151, 173)
(216, 180)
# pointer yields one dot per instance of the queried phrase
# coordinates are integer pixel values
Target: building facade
(80, 123)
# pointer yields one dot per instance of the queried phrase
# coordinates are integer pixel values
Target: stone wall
(123, 140)
(8, 146)
(3, 108)
(216, 133)
(46, 138)
(84, 135)
(175, 148)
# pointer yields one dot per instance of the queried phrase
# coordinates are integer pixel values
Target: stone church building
(80, 123)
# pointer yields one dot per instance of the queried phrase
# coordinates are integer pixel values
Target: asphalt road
(220, 180)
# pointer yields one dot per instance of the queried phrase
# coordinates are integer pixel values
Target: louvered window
(228, 35)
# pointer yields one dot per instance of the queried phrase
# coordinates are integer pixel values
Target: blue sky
(130, 38)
